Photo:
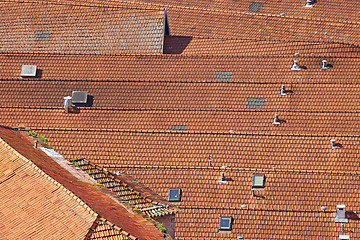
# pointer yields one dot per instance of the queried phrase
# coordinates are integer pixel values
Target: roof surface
(219, 85)
(102, 204)
(34, 205)
(58, 28)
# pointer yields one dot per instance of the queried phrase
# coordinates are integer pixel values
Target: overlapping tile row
(105, 230)
(213, 46)
(326, 124)
(51, 27)
(215, 96)
(284, 190)
(34, 205)
(100, 202)
(332, 11)
(172, 68)
(123, 191)
(140, 148)
(263, 224)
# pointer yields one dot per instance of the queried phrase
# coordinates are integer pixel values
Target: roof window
(344, 237)
(258, 182)
(179, 128)
(28, 71)
(256, 103)
(42, 35)
(175, 195)
(223, 76)
(255, 7)
(225, 223)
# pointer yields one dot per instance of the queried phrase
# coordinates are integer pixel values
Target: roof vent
(276, 120)
(79, 97)
(333, 144)
(309, 3)
(324, 65)
(296, 65)
(283, 90)
(244, 206)
(340, 214)
(323, 208)
(222, 179)
(210, 160)
(344, 237)
(28, 71)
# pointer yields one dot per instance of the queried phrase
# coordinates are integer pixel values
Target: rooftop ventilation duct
(333, 144)
(324, 65)
(309, 3)
(340, 214)
(296, 65)
(276, 120)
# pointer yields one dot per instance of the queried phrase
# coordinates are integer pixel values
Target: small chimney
(67, 103)
(333, 143)
(283, 90)
(36, 143)
(296, 65)
(340, 214)
(323, 208)
(223, 178)
(276, 120)
(324, 65)
(309, 3)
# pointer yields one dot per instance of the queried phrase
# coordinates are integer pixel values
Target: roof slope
(33, 205)
(102, 204)
(50, 27)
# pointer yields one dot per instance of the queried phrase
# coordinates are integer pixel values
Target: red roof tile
(51, 27)
(102, 204)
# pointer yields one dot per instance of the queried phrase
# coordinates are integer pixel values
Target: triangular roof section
(34, 205)
(60, 28)
(34, 189)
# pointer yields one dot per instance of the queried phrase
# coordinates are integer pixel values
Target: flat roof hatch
(28, 71)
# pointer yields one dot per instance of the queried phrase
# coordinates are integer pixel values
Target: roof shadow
(176, 44)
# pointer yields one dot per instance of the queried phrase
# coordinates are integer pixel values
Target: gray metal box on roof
(79, 96)
(28, 71)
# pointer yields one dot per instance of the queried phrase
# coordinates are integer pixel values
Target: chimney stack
(341, 214)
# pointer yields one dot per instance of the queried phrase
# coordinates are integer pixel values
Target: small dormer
(341, 214)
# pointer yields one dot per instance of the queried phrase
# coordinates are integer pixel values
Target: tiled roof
(173, 68)
(96, 201)
(34, 205)
(104, 230)
(57, 28)
(123, 188)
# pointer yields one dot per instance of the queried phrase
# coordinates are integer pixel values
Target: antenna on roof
(276, 120)
(296, 65)
(309, 3)
(333, 145)
(324, 65)
(283, 90)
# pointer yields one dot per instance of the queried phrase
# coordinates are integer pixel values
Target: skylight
(174, 195)
(225, 223)
(79, 96)
(179, 128)
(28, 71)
(258, 182)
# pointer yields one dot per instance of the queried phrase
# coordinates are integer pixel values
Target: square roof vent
(28, 71)
(79, 96)
(255, 7)
(174, 195)
(258, 182)
(225, 223)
